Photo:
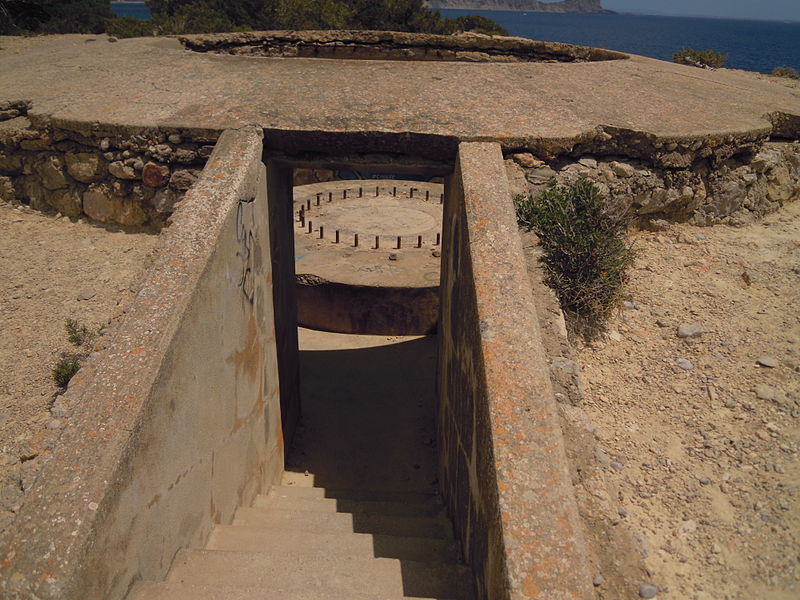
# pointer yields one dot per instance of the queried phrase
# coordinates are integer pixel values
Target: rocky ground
(695, 392)
(52, 269)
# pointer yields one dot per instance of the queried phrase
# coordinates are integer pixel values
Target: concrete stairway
(308, 543)
(372, 526)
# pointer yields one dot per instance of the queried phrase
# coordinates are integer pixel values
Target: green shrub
(700, 58)
(474, 23)
(53, 16)
(128, 27)
(64, 370)
(585, 252)
(787, 72)
(77, 333)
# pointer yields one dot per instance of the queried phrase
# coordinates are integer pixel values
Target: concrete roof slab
(155, 82)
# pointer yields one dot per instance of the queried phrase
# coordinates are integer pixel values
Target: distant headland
(565, 6)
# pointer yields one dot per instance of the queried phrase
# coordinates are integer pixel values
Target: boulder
(67, 201)
(99, 204)
(623, 169)
(86, 167)
(165, 200)
(516, 179)
(51, 170)
(10, 164)
(184, 156)
(7, 193)
(527, 160)
(121, 171)
(182, 179)
(155, 175)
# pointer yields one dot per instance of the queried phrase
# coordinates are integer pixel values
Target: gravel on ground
(695, 391)
(52, 269)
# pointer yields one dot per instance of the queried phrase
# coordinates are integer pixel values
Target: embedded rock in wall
(155, 175)
(6, 189)
(66, 201)
(98, 203)
(51, 170)
(85, 167)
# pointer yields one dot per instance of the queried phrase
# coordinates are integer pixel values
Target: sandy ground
(52, 269)
(706, 458)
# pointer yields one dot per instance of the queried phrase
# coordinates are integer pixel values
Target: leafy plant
(707, 59)
(586, 254)
(77, 333)
(53, 16)
(474, 23)
(64, 370)
(128, 27)
(787, 72)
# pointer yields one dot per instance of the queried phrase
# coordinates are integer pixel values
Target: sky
(774, 10)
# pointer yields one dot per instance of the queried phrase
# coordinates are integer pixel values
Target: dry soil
(51, 269)
(705, 455)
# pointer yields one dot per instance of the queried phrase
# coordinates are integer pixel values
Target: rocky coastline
(565, 6)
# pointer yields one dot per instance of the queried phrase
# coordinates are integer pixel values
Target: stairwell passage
(378, 530)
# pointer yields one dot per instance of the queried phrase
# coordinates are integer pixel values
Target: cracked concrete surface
(155, 82)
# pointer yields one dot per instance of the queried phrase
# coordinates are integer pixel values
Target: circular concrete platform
(367, 256)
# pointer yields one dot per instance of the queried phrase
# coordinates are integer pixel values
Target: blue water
(751, 45)
(137, 10)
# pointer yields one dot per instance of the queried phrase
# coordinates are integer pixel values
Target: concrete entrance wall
(503, 469)
(182, 415)
(179, 419)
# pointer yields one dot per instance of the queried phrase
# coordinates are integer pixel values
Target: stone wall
(176, 420)
(729, 187)
(394, 45)
(503, 467)
(112, 177)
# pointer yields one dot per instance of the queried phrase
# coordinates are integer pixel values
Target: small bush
(475, 24)
(64, 370)
(586, 254)
(707, 59)
(128, 27)
(787, 72)
(77, 333)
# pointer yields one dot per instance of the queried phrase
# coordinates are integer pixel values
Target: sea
(751, 45)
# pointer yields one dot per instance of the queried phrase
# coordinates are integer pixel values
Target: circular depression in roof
(367, 256)
(393, 45)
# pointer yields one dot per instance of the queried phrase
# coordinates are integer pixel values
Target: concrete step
(315, 544)
(298, 491)
(344, 523)
(187, 591)
(332, 574)
(362, 507)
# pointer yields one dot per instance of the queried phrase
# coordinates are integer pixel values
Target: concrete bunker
(180, 447)
(194, 447)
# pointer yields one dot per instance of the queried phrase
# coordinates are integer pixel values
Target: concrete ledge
(366, 309)
(176, 421)
(394, 45)
(503, 467)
